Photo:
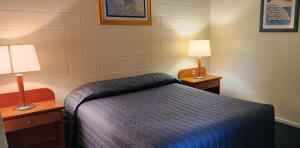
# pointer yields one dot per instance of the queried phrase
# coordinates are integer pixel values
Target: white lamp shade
(24, 58)
(5, 67)
(199, 48)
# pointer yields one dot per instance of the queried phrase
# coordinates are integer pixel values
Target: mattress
(170, 115)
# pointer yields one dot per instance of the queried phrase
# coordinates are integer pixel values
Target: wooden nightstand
(208, 83)
(41, 126)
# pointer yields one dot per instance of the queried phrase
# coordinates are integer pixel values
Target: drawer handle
(29, 122)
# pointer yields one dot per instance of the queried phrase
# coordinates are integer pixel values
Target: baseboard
(291, 123)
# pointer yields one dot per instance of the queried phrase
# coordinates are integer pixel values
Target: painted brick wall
(73, 49)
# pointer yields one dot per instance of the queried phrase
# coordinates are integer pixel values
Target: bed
(157, 111)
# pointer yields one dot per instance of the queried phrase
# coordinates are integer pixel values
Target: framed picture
(279, 16)
(125, 12)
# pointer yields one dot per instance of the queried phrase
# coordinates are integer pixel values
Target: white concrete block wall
(74, 49)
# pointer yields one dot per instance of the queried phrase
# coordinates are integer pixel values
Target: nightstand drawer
(206, 85)
(31, 121)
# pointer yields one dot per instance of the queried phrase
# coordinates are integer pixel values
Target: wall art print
(279, 16)
(125, 12)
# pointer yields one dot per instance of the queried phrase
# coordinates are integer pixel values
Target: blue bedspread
(165, 115)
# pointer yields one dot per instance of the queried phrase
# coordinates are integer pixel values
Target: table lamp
(19, 59)
(199, 48)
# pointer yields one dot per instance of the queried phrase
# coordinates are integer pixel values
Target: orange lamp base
(24, 106)
(199, 69)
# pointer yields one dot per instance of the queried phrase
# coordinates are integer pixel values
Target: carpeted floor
(287, 136)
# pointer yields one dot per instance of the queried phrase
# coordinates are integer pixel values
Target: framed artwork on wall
(125, 12)
(279, 16)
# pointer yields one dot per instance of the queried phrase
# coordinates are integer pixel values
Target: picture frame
(279, 16)
(125, 12)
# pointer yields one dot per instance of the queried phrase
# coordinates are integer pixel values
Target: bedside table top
(41, 107)
(205, 79)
